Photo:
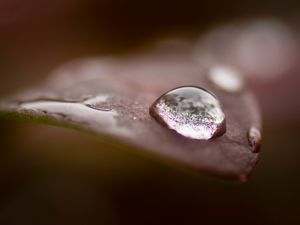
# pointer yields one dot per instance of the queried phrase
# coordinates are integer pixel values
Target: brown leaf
(112, 96)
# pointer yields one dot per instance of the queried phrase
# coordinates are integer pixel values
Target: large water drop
(191, 111)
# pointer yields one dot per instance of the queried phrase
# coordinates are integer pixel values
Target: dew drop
(254, 138)
(98, 103)
(191, 111)
(79, 113)
(226, 78)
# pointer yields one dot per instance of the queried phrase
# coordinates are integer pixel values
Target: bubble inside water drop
(191, 111)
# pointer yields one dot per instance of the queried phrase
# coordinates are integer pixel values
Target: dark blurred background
(52, 175)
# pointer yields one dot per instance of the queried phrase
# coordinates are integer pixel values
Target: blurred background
(53, 175)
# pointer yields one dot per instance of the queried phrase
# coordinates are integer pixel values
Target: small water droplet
(97, 103)
(226, 78)
(134, 118)
(98, 108)
(191, 111)
(254, 138)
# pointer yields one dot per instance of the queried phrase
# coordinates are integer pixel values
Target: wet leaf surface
(112, 96)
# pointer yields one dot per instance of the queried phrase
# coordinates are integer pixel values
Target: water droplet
(226, 78)
(254, 138)
(78, 113)
(98, 103)
(191, 111)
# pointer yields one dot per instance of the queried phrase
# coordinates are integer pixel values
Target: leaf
(112, 96)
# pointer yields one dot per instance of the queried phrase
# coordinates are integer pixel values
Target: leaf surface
(112, 96)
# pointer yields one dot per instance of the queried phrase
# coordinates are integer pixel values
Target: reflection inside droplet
(226, 78)
(254, 138)
(191, 111)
